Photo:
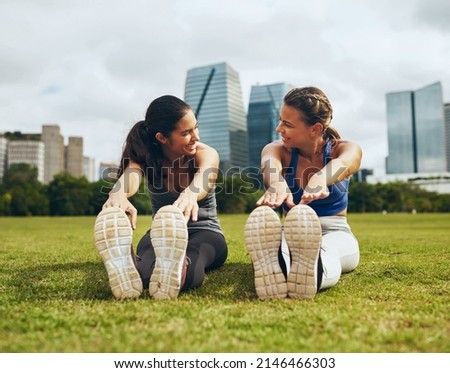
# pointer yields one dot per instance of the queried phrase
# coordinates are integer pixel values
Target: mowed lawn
(54, 295)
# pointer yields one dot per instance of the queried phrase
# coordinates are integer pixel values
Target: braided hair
(314, 107)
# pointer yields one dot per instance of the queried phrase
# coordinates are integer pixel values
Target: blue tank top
(336, 202)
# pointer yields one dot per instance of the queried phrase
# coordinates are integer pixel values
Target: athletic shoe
(113, 237)
(303, 236)
(169, 236)
(263, 240)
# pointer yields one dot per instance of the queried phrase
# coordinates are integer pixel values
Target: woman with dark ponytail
(186, 238)
(307, 173)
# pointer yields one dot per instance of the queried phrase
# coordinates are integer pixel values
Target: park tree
(69, 195)
(100, 193)
(22, 194)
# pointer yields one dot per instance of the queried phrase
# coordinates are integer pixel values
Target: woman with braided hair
(307, 173)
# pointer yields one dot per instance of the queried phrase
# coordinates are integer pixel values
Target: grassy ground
(54, 296)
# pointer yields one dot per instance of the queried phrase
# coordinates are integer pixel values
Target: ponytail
(332, 134)
(141, 145)
(136, 147)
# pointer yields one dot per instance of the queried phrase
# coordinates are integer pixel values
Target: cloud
(93, 67)
(433, 14)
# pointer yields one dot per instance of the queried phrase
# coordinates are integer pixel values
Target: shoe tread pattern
(169, 236)
(262, 241)
(303, 235)
(113, 238)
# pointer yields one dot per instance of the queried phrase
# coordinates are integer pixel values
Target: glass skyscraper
(401, 137)
(262, 118)
(447, 132)
(416, 139)
(214, 93)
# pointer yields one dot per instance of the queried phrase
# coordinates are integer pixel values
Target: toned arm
(125, 187)
(207, 161)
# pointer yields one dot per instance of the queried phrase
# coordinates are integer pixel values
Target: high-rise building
(447, 132)
(3, 155)
(89, 169)
(401, 137)
(57, 157)
(263, 117)
(416, 131)
(214, 93)
(54, 151)
(430, 129)
(31, 152)
(74, 157)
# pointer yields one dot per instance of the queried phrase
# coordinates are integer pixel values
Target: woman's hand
(316, 189)
(120, 200)
(275, 195)
(187, 203)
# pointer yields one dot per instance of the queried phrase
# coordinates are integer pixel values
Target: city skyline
(266, 100)
(95, 72)
(48, 153)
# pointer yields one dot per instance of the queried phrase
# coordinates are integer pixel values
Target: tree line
(21, 194)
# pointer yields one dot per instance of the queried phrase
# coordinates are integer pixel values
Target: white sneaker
(303, 234)
(169, 236)
(263, 240)
(113, 237)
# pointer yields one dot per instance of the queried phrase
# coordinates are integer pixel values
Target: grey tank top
(207, 213)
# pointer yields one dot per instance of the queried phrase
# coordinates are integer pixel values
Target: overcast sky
(94, 66)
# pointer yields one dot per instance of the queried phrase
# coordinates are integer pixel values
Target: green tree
(22, 193)
(69, 195)
(100, 193)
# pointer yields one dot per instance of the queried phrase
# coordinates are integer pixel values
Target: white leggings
(339, 250)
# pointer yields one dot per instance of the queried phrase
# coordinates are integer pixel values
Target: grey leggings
(206, 251)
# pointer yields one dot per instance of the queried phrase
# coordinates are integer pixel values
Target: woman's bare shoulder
(278, 150)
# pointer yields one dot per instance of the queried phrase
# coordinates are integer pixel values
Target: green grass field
(54, 295)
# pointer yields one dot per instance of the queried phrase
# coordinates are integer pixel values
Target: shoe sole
(303, 235)
(263, 240)
(169, 236)
(113, 237)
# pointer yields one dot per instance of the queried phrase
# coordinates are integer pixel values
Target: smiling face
(183, 139)
(292, 128)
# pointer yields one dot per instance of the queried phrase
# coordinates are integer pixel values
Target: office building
(74, 157)
(57, 157)
(214, 93)
(89, 169)
(447, 132)
(31, 152)
(263, 116)
(416, 140)
(54, 151)
(3, 156)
